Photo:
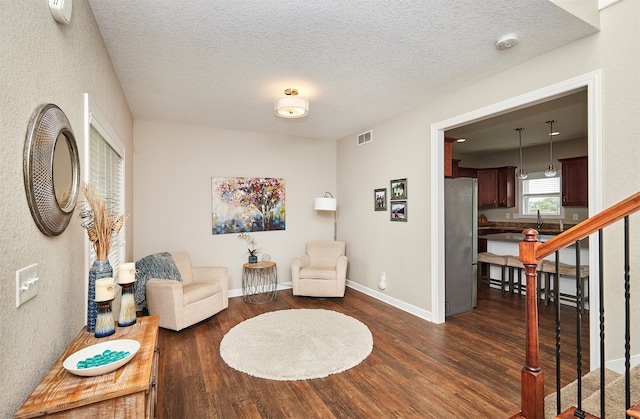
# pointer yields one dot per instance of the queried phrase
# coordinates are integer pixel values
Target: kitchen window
(540, 193)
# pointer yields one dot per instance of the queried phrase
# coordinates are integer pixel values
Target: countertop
(517, 238)
(547, 231)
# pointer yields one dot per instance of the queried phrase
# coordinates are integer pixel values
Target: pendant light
(551, 171)
(522, 174)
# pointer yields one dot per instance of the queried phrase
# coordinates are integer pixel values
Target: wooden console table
(128, 392)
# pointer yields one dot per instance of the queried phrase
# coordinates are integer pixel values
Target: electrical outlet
(507, 215)
(26, 284)
(383, 281)
(575, 217)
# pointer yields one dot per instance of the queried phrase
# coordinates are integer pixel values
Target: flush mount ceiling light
(522, 174)
(291, 105)
(551, 171)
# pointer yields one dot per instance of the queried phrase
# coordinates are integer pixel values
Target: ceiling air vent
(365, 137)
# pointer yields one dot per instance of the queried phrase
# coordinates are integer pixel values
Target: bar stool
(489, 259)
(513, 263)
(564, 269)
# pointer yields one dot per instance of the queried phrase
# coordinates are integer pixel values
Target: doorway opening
(592, 83)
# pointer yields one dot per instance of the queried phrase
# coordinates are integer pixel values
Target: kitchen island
(507, 244)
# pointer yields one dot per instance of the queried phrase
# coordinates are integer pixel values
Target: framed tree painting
(247, 204)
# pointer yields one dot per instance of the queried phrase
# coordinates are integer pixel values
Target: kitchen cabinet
(575, 182)
(130, 391)
(466, 172)
(448, 162)
(451, 165)
(497, 187)
(454, 167)
(487, 188)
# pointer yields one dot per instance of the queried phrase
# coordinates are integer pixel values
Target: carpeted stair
(614, 394)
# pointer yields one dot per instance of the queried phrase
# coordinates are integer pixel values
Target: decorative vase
(105, 326)
(127, 315)
(99, 269)
(253, 259)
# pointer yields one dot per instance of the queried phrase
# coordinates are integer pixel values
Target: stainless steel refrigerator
(461, 244)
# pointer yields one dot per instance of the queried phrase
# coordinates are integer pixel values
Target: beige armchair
(322, 272)
(202, 293)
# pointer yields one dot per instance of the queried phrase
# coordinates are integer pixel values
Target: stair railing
(531, 253)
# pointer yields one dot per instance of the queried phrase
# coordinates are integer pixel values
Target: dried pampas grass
(100, 221)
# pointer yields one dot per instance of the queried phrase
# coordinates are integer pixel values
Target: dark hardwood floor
(468, 367)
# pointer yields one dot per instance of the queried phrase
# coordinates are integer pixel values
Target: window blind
(542, 186)
(105, 175)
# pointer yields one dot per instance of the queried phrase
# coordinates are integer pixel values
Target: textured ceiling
(222, 63)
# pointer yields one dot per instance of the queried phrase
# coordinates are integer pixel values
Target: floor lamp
(328, 203)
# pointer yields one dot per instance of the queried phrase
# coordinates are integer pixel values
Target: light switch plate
(26, 284)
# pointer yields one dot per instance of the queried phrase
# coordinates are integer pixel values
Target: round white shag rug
(296, 344)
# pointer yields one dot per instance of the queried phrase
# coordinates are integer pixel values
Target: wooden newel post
(532, 378)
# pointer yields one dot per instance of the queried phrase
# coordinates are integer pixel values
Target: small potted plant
(253, 251)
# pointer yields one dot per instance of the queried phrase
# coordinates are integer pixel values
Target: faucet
(539, 223)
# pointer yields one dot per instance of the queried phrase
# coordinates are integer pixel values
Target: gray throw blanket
(158, 265)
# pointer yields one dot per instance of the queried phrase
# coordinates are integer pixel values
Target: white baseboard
(238, 291)
(411, 309)
(416, 311)
(617, 365)
(235, 293)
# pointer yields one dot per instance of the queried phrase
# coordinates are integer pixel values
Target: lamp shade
(291, 106)
(325, 204)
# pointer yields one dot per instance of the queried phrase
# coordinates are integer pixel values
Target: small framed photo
(399, 189)
(380, 199)
(398, 210)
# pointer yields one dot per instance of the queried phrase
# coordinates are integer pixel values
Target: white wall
(44, 62)
(174, 165)
(401, 148)
(400, 249)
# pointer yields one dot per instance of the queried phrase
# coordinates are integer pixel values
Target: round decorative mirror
(51, 169)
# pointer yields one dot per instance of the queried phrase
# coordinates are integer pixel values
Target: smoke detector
(507, 41)
(61, 10)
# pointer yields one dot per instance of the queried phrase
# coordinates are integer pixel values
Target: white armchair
(202, 293)
(322, 272)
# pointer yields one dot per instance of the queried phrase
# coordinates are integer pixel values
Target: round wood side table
(259, 282)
